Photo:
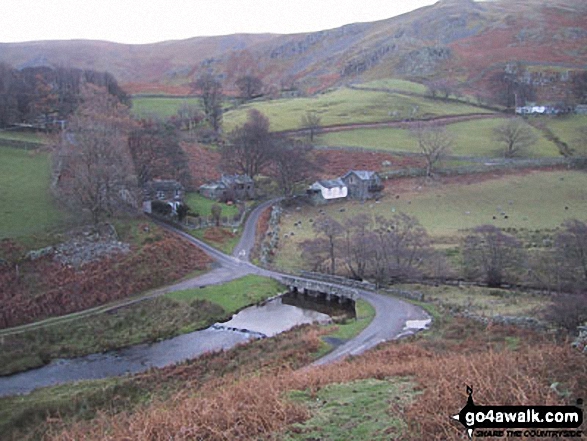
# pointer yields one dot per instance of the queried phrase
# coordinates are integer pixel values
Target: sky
(150, 21)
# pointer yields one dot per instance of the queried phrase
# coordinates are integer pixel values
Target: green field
(203, 206)
(346, 106)
(161, 107)
(21, 136)
(394, 84)
(532, 201)
(26, 204)
(232, 296)
(570, 129)
(471, 138)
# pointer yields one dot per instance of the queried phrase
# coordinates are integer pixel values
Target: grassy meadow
(21, 136)
(348, 106)
(394, 84)
(531, 201)
(26, 203)
(570, 129)
(471, 138)
(161, 106)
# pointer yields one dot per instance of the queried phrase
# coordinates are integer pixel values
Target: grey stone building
(362, 184)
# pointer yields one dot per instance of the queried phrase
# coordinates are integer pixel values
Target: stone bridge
(325, 290)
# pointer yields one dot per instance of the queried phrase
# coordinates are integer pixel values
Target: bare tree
(571, 252)
(357, 245)
(93, 166)
(156, 153)
(332, 231)
(292, 164)
(211, 92)
(402, 248)
(250, 86)
(249, 147)
(434, 143)
(492, 255)
(216, 211)
(311, 122)
(515, 136)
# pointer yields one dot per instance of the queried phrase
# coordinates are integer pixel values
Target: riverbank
(145, 322)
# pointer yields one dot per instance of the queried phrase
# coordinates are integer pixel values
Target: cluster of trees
(497, 258)
(385, 250)
(41, 95)
(251, 149)
(105, 157)
(393, 249)
(156, 152)
(92, 163)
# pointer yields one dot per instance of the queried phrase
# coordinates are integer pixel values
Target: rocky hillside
(463, 40)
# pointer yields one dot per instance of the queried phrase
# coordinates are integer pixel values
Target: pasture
(26, 203)
(531, 201)
(347, 106)
(570, 129)
(471, 138)
(162, 107)
(394, 84)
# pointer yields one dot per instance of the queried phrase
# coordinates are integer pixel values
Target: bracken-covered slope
(462, 40)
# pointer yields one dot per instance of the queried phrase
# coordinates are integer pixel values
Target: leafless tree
(156, 153)
(211, 92)
(402, 248)
(250, 86)
(357, 245)
(216, 211)
(571, 252)
(93, 166)
(515, 136)
(434, 143)
(490, 254)
(292, 163)
(249, 147)
(332, 231)
(311, 122)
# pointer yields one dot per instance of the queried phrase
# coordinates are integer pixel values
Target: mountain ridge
(458, 39)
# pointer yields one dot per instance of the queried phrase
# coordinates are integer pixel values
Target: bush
(161, 208)
(568, 311)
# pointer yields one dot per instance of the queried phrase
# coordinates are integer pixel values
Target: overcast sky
(149, 21)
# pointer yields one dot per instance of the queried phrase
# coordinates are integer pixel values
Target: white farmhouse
(321, 192)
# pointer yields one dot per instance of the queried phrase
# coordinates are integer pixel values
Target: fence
(25, 145)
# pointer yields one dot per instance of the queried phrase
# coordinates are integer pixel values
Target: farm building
(362, 184)
(321, 192)
(229, 187)
(168, 190)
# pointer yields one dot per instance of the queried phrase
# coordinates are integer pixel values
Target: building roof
(163, 185)
(235, 179)
(364, 175)
(332, 183)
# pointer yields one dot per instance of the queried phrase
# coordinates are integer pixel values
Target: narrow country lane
(393, 317)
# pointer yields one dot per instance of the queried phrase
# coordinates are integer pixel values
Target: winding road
(394, 318)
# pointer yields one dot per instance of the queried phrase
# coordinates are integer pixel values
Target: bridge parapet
(313, 286)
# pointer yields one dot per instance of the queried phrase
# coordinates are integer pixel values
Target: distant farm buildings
(229, 188)
(168, 191)
(356, 184)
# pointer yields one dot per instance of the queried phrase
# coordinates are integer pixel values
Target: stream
(266, 320)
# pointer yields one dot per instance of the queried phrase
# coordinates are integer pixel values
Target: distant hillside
(462, 40)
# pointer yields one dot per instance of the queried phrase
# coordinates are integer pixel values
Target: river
(266, 320)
